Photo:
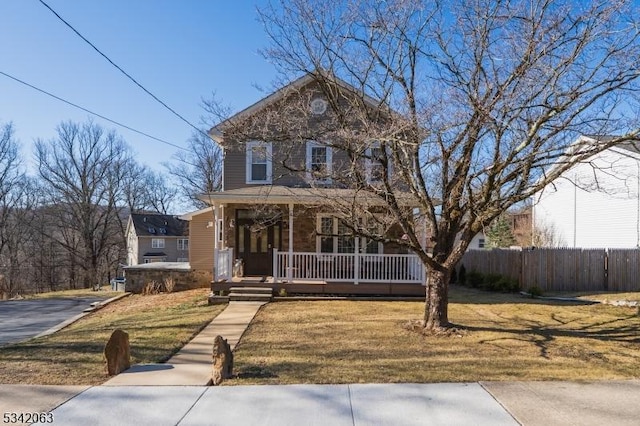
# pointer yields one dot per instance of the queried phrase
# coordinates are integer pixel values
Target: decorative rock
(116, 351)
(222, 361)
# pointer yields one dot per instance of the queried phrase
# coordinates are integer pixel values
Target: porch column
(356, 261)
(290, 257)
(223, 231)
(216, 215)
(423, 241)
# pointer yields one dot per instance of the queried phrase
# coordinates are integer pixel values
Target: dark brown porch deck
(322, 287)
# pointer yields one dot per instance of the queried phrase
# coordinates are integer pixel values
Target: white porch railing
(348, 267)
(224, 262)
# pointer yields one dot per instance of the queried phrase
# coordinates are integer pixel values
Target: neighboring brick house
(157, 238)
(281, 224)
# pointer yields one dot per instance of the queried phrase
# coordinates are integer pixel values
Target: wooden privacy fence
(561, 269)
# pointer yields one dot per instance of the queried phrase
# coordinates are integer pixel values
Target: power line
(91, 112)
(121, 70)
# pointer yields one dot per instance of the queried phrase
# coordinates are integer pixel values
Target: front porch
(289, 238)
(336, 273)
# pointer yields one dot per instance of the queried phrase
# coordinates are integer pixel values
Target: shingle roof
(160, 225)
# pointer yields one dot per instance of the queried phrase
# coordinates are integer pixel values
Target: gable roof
(159, 225)
(217, 134)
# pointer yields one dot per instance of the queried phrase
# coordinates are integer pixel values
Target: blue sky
(180, 50)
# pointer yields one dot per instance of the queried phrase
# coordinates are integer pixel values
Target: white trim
(268, 160)
(180, 244)
(329, 162)
(157, 243)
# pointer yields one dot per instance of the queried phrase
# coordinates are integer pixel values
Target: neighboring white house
(595, 204)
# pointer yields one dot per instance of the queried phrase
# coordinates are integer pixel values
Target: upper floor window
(375, 164)
(183, 244)
(157, 243)
(259, 165)
(319, 159)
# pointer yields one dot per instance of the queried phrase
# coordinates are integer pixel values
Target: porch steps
(250, 294)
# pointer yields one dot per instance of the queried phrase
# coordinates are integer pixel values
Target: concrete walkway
(191, 366)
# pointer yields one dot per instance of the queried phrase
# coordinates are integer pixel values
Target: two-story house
(157, 238)
(594, 204)
(278, 211)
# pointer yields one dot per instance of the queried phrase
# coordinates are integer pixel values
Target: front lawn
(504, 337)
(158, 326)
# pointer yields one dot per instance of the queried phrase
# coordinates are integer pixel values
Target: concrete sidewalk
(485, 403)
(191, 366)
(410, 404)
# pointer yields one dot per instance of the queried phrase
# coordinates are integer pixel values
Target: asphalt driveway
(23, 319)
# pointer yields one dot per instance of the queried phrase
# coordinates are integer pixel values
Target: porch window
(259, 166)
(326, 230)
(157, 243)
(334, 236)
(371, 246)
(319, 159)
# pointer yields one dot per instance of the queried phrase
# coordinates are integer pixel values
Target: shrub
(151, 288)
(169, 284)
(454, 277)
(282, 292)
(462, 275)
(490, 282)
(474, 279)
(507, 285)
(535, 291)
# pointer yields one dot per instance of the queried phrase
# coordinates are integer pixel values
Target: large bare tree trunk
(436, 313)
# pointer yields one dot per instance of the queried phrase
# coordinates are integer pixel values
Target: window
(334, 236)
(183, 244)
(325, 229)
(319, 165)
(155, 259)
(157, 243)
(481, 243)
(372, 246)
(375, 167)
(259, 162)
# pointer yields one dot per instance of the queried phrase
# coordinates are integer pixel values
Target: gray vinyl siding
(170, 248)
(235, 165)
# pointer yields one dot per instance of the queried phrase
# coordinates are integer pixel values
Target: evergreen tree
(500, 233)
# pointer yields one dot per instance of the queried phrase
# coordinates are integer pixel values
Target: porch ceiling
(272, 194)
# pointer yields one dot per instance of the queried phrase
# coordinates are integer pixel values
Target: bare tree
(82, 175)
(198, 170)
(159, 196)
(17, 234)
(475, 106)
(11, 197)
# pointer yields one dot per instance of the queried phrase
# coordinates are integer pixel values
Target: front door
(255, 239)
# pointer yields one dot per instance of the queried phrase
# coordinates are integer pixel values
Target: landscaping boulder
(222, 361)
(117, 353)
